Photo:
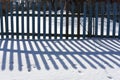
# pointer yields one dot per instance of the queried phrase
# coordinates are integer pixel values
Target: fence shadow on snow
(59, 54)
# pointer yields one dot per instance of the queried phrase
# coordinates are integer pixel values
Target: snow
(87, 59)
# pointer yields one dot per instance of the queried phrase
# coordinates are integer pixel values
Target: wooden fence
(37, 22)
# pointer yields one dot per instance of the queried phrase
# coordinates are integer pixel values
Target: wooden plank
(90, 15)
(50, 8)
(84, 21)
(108, 19)
(12, 26)
(61, 21)
(17, 21)
(1, 18)
(22, 20)
(6, 20)
(67, 21)
(55, 20)
(102, 18)
(114, 18)
(78, 20)
(33, 20)
(73, 15)
(39, 6)
(28, 25)
(44, 22)
(96, 16)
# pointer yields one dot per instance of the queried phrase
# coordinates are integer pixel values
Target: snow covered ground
(85, 59)
(91, 59)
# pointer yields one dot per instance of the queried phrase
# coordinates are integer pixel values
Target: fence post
(96, 21)
(108, 18)
(6, 20)
(114, 18)
(55, 21)
(11, 12)
(119, 18)
(102, 18)
(61, 20)
(22, 20)
(50, 8)
(67, 20)
(44, 21)
(1, 20)
(39, 6)
(73, 15)
(28, 26)
(17, 21)
(84, 21)
(78, 20)
(33, 20)
(90, 4)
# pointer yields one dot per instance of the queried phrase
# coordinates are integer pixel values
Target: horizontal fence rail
(43, 21)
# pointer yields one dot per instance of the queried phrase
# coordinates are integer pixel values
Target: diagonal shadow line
(42, 57)
(11, 61)
(105, 62)
(55, 64)
(79, 46)
(71, 46)
(118, 64)
(69, 60)
(27, 57)
(20, 64)
(58, 57)
(4, 55)
(97, 62)
(91, 64)
(98, 49)
(79, 43)
(80, 63)
(114, 44)
(109, 44)
(115, 57)
(96, 45)
(34, 55)
(105, 46)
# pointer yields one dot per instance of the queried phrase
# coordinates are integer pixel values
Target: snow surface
(84, 59)
(91, 59)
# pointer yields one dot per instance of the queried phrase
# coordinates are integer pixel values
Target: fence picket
(96, 16)
(22, 20)
(55, 21)
(6, 21)
(114, 17)
(1, 18)
(33, 20)
(28, 25)
(44, 22)
(108, 18)
(61, 21)
(78, 20)
(17, 21)
(119, 19)
(90, 15)
(39, 6)
(73, 14)
(11, 15)
(50, 8)
(102, 18)
(84, 21)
